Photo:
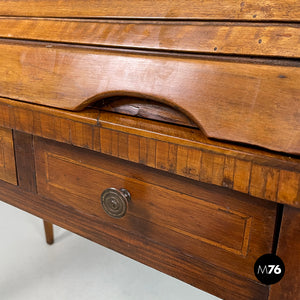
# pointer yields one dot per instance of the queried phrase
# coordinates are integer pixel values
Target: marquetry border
(241, 175)
(206, 163)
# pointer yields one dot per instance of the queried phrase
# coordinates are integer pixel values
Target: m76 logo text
(269, 269)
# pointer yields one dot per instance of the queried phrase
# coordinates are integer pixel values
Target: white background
(74, 268)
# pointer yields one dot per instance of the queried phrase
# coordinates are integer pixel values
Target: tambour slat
(251, 103)
(200, 37)
(288, 10)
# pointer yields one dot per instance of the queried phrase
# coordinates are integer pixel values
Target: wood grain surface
(176, 149)
(289, 252)
(159, 202)
(230, 72)
(24, 156)
(198, 273)
(277, 39)
(7, 157)
(288, 10)
(251, 103)
(146, 109)
(48, 227)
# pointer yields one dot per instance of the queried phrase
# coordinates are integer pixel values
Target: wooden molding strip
(243, 172)
(288, 10)
(199, 37)
(250, 103)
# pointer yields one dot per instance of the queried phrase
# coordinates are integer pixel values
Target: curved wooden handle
(240, 102)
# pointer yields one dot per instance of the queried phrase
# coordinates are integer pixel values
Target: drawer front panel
(7, 157)
(172, 211)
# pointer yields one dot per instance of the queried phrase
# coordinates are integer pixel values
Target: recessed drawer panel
(7, 157)
(222, 227)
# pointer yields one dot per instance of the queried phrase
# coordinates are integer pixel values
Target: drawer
(7, 157)
(224, 228)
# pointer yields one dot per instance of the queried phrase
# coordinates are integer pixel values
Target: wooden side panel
(195, 220)
(7, 157)
(289, 251)
(287, 10)
(218, 96)
(202, 37)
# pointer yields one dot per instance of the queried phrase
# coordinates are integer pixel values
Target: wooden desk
(166, 132)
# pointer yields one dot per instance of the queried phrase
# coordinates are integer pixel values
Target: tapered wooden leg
(49, 232)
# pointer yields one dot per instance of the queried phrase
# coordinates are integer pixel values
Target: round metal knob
(115, 202)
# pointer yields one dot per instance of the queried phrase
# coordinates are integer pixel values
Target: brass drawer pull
(115, 202)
